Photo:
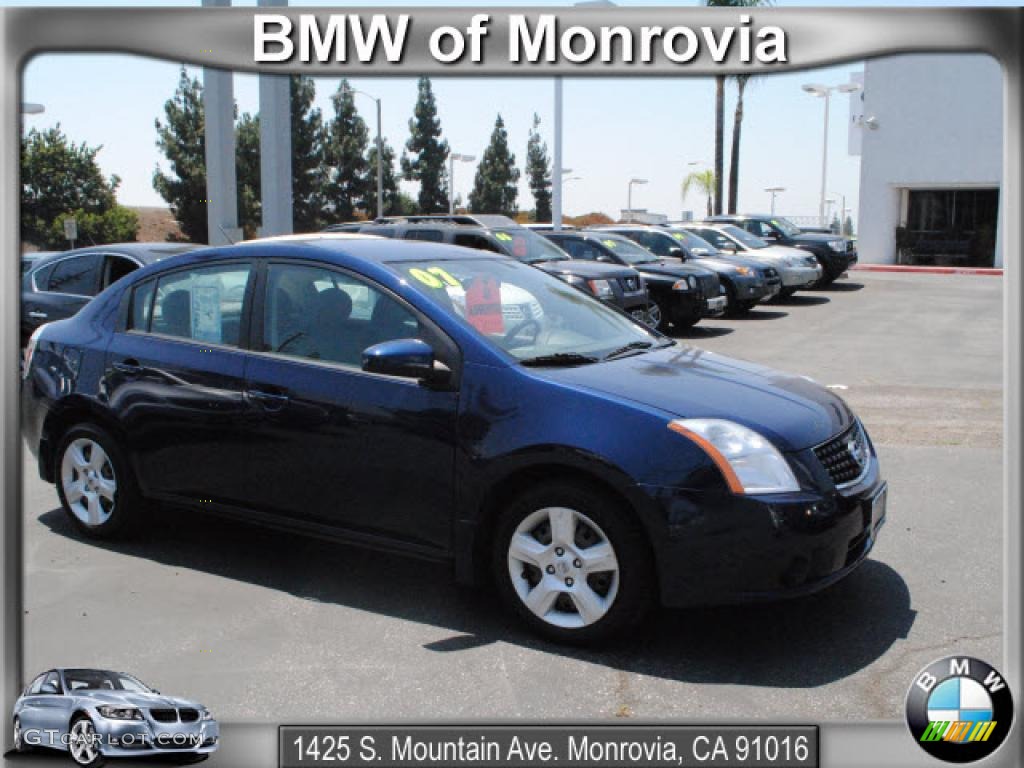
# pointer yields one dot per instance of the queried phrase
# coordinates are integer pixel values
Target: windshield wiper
(633, 346)
(559, 358)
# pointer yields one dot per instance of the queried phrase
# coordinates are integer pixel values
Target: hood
(723, 263)
(589, 270)
(793, 412)
(816, 237)
(137, 700)
(672, 268)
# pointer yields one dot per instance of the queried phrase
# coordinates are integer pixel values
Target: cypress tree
(495, 186)
(425, 152)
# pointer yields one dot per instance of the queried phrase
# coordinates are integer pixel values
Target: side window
(142, 306)
(203, 304)
(42, 277)
(654, 243)
(319, 314)
(477, 242)
(51, 684)
(36, 685)
(79, 275)
(116, 268)
(430, 235)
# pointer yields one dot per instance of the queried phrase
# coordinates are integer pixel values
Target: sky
(615, 129)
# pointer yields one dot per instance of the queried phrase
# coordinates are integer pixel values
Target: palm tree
(704, 182)
(720, 107)
(734, 158)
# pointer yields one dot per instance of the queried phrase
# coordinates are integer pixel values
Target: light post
(452, 157)
(773, 191)
(825, 92)
(842, 211)
(380, 152)
(629, 195)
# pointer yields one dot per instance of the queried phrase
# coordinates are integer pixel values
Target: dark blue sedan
(456, 405)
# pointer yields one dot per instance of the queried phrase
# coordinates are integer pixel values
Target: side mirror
(676, 252)
(605, 259)
(728, 249)
(409, 358)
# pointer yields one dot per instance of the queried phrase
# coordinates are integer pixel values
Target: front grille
(630, 284)
(845, 457)
(164, 715)
(709, 286)
(188, 715)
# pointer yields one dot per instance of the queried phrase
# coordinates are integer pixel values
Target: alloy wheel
(88, 481)
(563, 567)
(83, 742)
(654, 316)
(17, 735)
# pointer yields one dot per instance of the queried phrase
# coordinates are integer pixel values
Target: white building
(929, 129)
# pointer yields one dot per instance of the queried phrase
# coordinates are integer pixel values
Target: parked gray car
(94, 713)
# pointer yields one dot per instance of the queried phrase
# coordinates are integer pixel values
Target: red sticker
(483, 305)
(519, 249)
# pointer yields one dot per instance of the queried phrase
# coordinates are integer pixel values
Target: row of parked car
(664, 276)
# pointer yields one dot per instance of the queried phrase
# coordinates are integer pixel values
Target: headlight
(30, 350)
(743, 270)
(684, 284)
(206, 714)
(748, 461)
(837, 245)
(119, 713)
(601, 288)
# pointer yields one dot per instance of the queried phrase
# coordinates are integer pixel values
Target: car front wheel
(94, 482)
(19, 737)
(575, 566)
(83, 743)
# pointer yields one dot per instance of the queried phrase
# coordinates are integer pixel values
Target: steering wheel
(522, 325)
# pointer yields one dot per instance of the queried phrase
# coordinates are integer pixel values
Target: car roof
(145, 252)
(336, 247)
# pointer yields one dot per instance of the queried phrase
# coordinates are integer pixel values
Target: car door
(336, 446)
(52, 704)
(59, 289)
(31, 715)
(175, 379)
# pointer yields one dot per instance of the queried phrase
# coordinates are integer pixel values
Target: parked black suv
(682, 293)
(619, 286)
(835, 253)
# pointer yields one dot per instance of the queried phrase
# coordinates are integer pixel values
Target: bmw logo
(959, 709)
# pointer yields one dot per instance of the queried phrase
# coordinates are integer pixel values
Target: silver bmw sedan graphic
(94, 714)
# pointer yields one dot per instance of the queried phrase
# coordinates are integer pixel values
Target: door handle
(37, 315)
(130, 367)
(269, 401)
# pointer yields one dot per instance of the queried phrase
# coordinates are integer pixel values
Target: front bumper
(128, 738)
(725, 548)
(754, 289)
(800, 277)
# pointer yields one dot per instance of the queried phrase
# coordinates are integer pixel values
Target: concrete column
(221, 182)
(275, 149)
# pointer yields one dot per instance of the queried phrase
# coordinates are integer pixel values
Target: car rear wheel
(94, 482)
(83, 743)
(734, 307)
(573, 565)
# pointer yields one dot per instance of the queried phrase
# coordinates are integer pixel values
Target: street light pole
(773, 191)
(556, 171)
(825, 92)
(380, 152)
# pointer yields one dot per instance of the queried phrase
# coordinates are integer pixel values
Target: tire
(80, 751)
(787, 293)
(577, 604)
(734, 307)
(96, 486)
(18, 739)
(662, 315)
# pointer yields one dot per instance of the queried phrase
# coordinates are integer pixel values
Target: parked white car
(798, 269)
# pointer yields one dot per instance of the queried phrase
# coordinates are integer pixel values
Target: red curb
(993, 272)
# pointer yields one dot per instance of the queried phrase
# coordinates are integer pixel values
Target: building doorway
(948, 227)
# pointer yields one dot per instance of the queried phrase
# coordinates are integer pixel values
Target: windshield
(102, 680)
(627, 250)
(526, 245)
(750, 241)
(528, 313)
(787, 227)
(698, 247)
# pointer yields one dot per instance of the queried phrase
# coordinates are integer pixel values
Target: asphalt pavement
(269, 627)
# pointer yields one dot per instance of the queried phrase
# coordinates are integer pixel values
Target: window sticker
(483, 305)
(679, 236)
(206, 310)
(505, 237)
(610, 243)
(519, 247)
(434, 277)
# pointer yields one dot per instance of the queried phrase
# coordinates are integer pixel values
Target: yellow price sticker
(610, 243)
(434, 277)
(678, 236)
(503, 236)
